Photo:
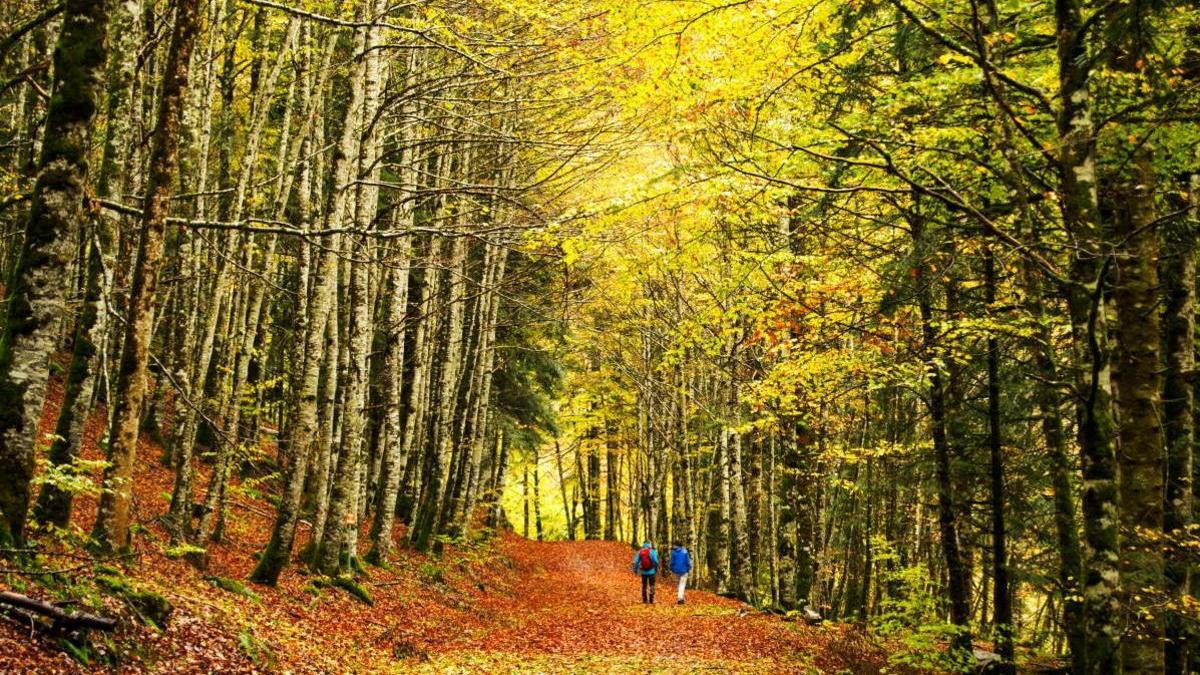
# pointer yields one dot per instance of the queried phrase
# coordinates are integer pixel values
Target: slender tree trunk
(719, 520)
(786, 531)
(496, 517)
(392, 467)
(959, 582)
(1062, 466)
(327, 405)
(417, 437)
(303, 429)
(1179, 330)
(525, 502)
(111, 530)
(562, 486)
(341, 530)
(537, 495)
(487, 355)
(428, 523)
(612, 512)
(755, 531)
(1002, 617)
(591, 509)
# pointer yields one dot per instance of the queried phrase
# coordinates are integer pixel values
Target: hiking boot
(679, 602)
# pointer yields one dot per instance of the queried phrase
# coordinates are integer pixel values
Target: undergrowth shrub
(913, 617)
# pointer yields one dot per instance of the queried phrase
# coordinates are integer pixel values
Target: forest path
(508, 605)
(576, 607)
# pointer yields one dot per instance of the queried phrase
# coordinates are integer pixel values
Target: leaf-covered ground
(504, 605)
(577, 608)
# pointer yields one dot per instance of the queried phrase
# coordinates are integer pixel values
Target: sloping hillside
(503, 604)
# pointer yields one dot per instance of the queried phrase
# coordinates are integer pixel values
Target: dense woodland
(885, 309)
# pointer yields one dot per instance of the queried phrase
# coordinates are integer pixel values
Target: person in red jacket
(645, 564)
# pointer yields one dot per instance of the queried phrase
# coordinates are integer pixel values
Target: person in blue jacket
(645, 564)
(679, 561)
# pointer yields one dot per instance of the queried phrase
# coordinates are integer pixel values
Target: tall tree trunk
(428, 523)
(1179, 339)
(91, 322)
(415, 407)
(742, 581)
(496, 516)
(40, 283)
(525, 502)
(787, 536)
(392, 467)
(591, 508)
(1138, 392)
(1002, 617)
(303, 427)
(719, 520)
(958, 580)
(341, 529)
(499, 260)
(327, 407)
(755, 532)
(1138, 382)
(537, 495)
(418, 422)
(337, 538)
(111, 530)
(562, 486)
(1097, 427)
(1062, 466)
(611, 491)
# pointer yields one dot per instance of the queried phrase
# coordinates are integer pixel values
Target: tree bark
(303, 427)
(958, 580)
(1097, 427)
(1179, 339)
(428, 519)
(40, 282)
(111, 530)
(1002, 612)
(1138, 384)
(91, 323)
(392, 467)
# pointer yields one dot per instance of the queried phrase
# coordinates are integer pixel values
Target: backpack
(645, 562)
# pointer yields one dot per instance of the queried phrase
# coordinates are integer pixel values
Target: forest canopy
(884, 309)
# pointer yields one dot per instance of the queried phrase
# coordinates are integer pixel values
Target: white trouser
(680, 586)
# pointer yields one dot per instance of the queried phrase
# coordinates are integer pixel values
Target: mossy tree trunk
(112, 528)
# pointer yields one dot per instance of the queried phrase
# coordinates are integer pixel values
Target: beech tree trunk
(40, 283)
(392, 467)
(1138, 381)
(90, 332)
(111, 530)
(1097, 428)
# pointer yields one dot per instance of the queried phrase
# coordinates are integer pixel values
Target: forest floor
(504, 604)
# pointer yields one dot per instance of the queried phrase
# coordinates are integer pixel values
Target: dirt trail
(576, 606)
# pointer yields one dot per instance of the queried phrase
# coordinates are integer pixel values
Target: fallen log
(61, 622)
